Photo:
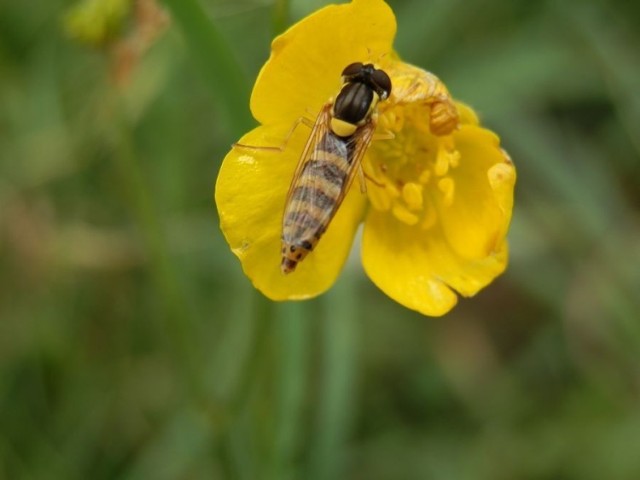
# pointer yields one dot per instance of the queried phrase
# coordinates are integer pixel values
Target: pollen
(412, 195)
(447, 187)
(403, 214)
(413, 171)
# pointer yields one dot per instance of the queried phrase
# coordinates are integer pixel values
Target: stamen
(454, 158)
(447, 187)
(412, 195)
(387, 121)
(442, 163)
(404, 215)
(379, 199)
(429, 217)
(392, 190)
(406, 164)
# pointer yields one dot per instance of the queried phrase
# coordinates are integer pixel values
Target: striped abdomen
(314, 198)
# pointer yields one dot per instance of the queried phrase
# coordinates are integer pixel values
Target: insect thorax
(352, 108)
(353, 103)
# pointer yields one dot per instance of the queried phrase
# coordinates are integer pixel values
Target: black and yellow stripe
(314, 198)
(342, 132)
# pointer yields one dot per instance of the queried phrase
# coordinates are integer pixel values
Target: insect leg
(362, 174)
(283, 145)
(372, 180)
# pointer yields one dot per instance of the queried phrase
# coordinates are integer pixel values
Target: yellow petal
(306, 61)
(250, 194)
(418, 268)
(467, 114)
(466, 276)
(476, 218)
(397, 259)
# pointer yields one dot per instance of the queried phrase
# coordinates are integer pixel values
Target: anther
(379, 199)
(454, 158)
(442, 163)
(429, 218)
(447, 187)
(412, 195)
(404, 215)
(424, 177)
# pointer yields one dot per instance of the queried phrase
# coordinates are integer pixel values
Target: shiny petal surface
(307, 60)
(419, 259)
(398, 263)
(418, 268)
(476, 222)
(250, 194)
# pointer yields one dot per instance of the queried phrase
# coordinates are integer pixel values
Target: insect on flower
(342, 132)
(439, 196)
(331, 159)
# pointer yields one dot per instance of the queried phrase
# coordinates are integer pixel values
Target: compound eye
(382, 83)
(352, 69)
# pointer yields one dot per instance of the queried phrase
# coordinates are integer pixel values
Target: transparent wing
(324, 175)
(320, 127)
(357, 146)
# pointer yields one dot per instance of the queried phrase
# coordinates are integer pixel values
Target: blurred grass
(131, 345)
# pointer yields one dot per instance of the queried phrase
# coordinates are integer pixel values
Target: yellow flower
(439, 193)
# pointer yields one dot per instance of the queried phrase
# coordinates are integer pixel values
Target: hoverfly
(330, 160)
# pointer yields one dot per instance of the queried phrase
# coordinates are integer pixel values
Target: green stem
(225, 419)
(263, 319)
(178, 315)
(339, 343)
(292, 339)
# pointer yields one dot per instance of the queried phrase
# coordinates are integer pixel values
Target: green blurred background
(131, 345)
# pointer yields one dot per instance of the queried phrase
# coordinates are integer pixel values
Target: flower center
(410, 174)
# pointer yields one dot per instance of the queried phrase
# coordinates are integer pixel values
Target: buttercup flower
(439, 192)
